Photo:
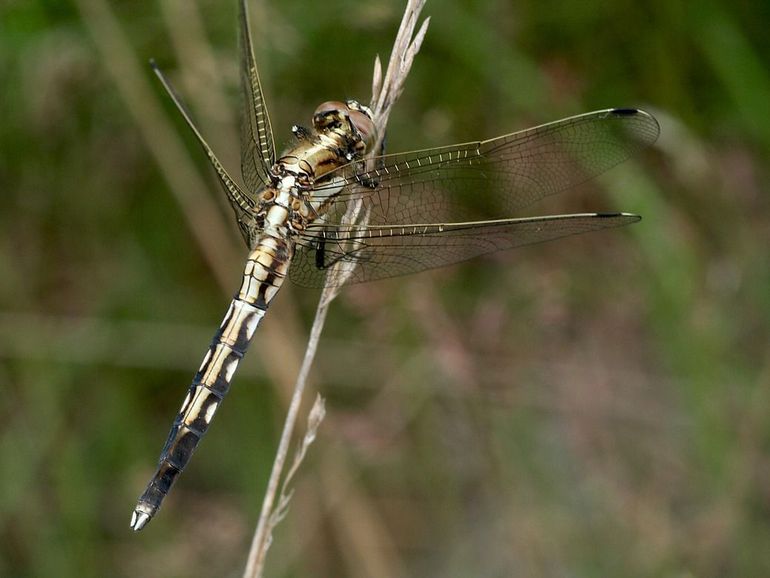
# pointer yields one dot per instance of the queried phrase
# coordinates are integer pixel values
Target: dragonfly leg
(320, 254)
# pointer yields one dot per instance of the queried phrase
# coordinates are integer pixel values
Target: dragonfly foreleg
(344, 255)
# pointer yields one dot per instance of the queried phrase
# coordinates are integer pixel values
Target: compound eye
(329, 114)
(364, 125)
(330, 106)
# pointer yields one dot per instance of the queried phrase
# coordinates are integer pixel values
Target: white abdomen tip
(139, 520)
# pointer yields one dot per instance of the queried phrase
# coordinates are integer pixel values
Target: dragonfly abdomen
(263, 275)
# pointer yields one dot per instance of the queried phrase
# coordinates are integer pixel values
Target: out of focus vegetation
(594, 407)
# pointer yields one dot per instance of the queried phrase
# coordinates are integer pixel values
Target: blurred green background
(598, 406)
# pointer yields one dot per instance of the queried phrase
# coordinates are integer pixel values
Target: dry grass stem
(316, 416)
(385, 94)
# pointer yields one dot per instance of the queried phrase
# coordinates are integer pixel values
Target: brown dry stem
(385, 93)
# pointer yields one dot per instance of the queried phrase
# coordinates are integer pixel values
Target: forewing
(377, 252)
(464, 183)
(241, 203)
(492, 178)
(257, 147)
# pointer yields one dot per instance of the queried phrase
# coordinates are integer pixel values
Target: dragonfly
(331, 210)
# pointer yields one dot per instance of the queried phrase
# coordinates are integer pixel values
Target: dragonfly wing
(492, 178)
(388, 251)
(257, 146)
(465, 185)
(241, 202)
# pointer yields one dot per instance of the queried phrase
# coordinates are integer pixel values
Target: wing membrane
(257, 146)
(384, 251)
(462, 185)
(241, 202)
(499, 175)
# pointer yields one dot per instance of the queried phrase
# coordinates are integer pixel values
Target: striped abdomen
(263, 275)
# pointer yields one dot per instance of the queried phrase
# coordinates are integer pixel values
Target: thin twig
(385, 94)
(261, 541)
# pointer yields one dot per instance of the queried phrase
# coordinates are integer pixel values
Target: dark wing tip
(626, 217)
(648, 127)
(626, 111)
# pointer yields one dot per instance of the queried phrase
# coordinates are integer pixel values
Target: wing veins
(241, 203)
(257, 145)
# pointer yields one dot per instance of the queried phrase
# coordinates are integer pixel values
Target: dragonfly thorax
(343, 132)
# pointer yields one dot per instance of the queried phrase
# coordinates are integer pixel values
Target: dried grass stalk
(385, 93)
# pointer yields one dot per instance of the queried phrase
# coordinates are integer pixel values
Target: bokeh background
(598, 406)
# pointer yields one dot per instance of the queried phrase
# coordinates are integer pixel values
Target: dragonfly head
(351, 120)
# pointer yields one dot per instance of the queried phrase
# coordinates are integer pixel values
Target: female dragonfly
(415, 211)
